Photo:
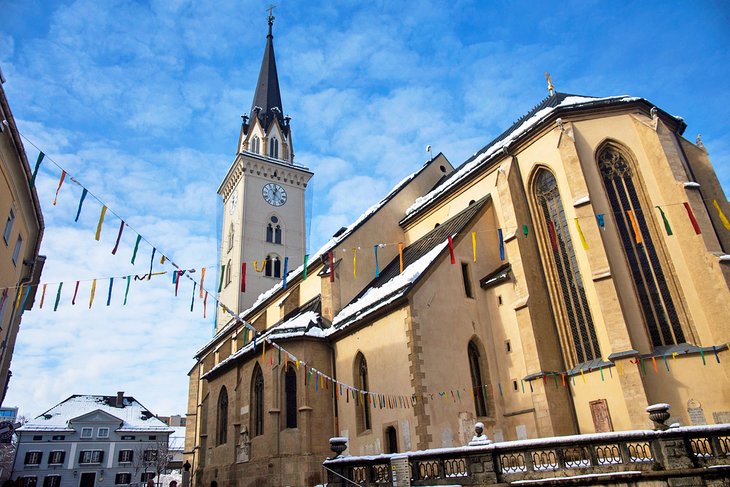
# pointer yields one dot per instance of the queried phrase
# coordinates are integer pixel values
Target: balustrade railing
(642, 452)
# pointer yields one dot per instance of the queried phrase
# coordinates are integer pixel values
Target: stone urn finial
(659, 413)
(338, 444)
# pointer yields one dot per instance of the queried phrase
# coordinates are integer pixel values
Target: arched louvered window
(274, 147)
(272, 266)
(477, 382)
(269, 233)
(363, 403)
(575, 322)
(257, 401)
(290, 397)
(222, 426)
(256, 144)
(277, 234)
(660, 315)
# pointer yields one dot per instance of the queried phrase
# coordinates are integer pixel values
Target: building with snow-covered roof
(89, 440)
(569, 274)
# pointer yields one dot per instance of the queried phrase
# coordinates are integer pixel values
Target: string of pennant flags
(322, 380)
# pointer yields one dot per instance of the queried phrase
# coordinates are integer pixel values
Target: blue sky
(142, 103)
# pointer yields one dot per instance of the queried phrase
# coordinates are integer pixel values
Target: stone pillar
(482, 468)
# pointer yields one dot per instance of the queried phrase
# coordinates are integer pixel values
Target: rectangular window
(33, 457)
(52, 481)
(147, 476)
(37, 437)
(128, 437)
(153, 437)
(56, 457)
(228, 273)
(9, 227)
(30, 481)
(91, 456)
(123, 478)
(467, 280)
(126, 456)
(150, 455)
(86, 432)
(59, 437)
(103, 433)
(16, 250)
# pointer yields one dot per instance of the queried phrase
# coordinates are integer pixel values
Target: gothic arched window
(272, 266)
(660, 315)
(274, 231)
(222, 426)
(363, 408)
(277, 234)
(575, 321)
(228, 272)
(256, 144)
(270, 233)
(477, 382)
(290, 397)
(274, 147)
(257, 401)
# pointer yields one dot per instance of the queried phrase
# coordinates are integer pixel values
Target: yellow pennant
(93, 291)
(263, 351)
(723, 218)
(20, 293)
(582, 376)
(474, 244)
(162, 259)
(354, 263)
(297, 362)
(400, 254)
(580, 234)
(202, 280)
(101, 222)
(635, 226)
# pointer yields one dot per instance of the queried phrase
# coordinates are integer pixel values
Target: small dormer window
(103, 433)
(87, 432)
(274, 147)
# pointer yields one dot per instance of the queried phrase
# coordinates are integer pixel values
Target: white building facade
(91, 441)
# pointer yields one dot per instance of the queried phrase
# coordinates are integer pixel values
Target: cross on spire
(271, 17)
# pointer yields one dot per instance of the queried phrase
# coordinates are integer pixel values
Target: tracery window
(290, 397)
(274, 231)
(222, 427)
(257, 399)
(660, 314)
(575, 322)
(477, 383)
(363, 407)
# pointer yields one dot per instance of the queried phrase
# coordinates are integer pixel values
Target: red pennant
(692, 218)
(119, 237)
(451, 250)
(243, 277)
(332, 266)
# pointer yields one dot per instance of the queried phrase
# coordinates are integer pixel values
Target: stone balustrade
(693, 455)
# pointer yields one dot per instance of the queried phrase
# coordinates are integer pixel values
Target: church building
(572, 272)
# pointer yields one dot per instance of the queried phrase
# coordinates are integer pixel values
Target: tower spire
(267, 98)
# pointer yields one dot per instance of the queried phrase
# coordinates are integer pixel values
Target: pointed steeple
(267, 99)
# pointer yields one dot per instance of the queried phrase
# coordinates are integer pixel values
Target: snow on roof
(263, 297)
(388, 292)
(303, 324)
(505, 141)
(133, 416)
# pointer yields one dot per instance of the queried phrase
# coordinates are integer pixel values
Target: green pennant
(136, 248)
(306, 259)
(37, 166)
(126, 291)
(666, 222)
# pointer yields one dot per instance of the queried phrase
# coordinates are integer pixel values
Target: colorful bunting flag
(354, 263)
(306, 261)
(60, 182)
(126, 291)
(524, 230)
(722, 216)
(692, 218)
(192, 298)
(35, 170)
(635, 227)
(43, 296)
(377, 267)
(58, 296)
(601, 220)
(202, 281)
(474, 245)
(580, 235)
(76, 291)
(93, 292)
(205, 301)
(451, 249)
(501, 243)
(136, 247)
(119, 237)
(667, 228)
(243, 277)
(332, 266)
(84, 192)
(223, 271)
(101, 222)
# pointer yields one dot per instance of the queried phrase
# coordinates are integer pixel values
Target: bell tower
(263, 196)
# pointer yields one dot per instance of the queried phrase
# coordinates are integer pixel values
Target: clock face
(274, 194)
(233, 203)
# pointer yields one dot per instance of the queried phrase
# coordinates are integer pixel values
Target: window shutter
(27, 457)
(62, 457)
(101, 456)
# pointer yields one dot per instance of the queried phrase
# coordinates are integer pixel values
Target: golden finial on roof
(549, 80)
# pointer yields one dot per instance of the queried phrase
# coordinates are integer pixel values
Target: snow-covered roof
(307, 321)
(132, 415)
(332, 243)
(520, 128)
